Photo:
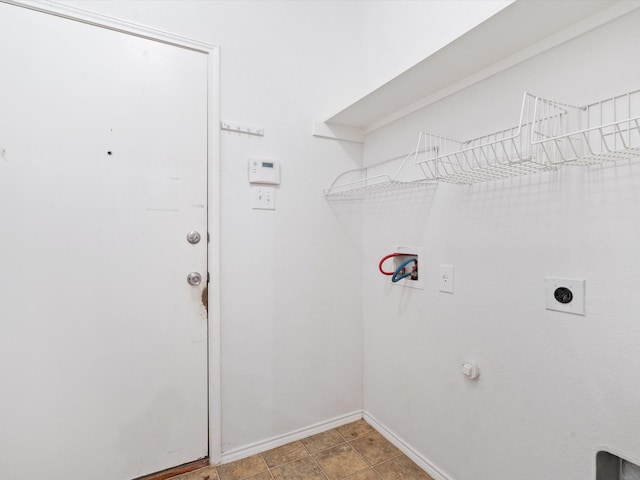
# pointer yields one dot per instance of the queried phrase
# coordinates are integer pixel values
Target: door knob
(194, 279)
(193, 237)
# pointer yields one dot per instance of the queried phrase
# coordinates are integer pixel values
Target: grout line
(388, 460)
(351, 439)
(324, 474)
(315, 461)
(365, 460)
(341, 436)
(265, 461)
(378, 474)
(252, 474)
(271, 474)
(377, 465)
(266, 465)
(295, 460)
(344, 441)
(305, 447)
(357, 473)
(329, 448)
(371, 464)
(357, 453)
(356, 450)
(288, 462)
(361, 456)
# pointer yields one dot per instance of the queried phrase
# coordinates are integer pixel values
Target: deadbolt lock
(193, 237)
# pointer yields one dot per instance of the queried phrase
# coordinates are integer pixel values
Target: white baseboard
(278, 441)
(405, 448)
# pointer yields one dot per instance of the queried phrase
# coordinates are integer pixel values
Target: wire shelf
(364, 188)
(498, 171)
(606, 131)
(366, 185)
(549, 134)
(504, 154)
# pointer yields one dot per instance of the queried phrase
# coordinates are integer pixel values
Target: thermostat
(264, 171)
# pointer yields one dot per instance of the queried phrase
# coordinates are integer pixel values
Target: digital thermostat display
(264, 171)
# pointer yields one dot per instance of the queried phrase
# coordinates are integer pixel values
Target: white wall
(554, 388)
(399, 34)
(291, 278)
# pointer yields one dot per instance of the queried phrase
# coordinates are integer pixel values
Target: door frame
(213, 184)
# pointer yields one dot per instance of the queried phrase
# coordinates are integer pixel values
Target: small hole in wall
(109, 152)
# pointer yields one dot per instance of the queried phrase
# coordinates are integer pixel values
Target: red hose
(391, 255)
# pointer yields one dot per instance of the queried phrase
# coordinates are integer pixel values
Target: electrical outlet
(446, 278)
(565, 295)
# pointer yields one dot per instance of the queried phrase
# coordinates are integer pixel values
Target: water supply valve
(470, 369)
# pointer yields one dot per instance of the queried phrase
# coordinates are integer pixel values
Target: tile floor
(351, 452)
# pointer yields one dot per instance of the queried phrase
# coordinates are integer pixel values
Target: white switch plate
(263, 198)
(446, 278)
(577, 288)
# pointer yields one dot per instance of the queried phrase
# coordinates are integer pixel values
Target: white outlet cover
(577, 288)
(446, 278)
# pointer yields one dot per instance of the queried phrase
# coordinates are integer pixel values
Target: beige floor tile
(322, 441)
(331, 458)
(260, 476)
(355, 429)
(375, 448)
(206, 473)
(184, 476)
(401, 468)
(340, 461)
(241, 469)
(284, 454)
(303, 469)
(365, 475)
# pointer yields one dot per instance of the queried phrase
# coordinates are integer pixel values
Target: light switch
(263, 198)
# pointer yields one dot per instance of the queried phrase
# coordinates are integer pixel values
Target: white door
(103, 342)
